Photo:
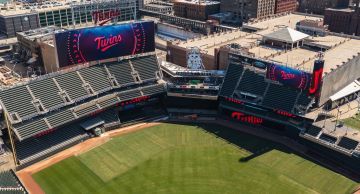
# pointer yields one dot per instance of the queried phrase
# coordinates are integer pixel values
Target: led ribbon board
(103, 42)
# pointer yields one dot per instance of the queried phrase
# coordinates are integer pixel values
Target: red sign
(133, 101)
(246, 118)
(236, 101)
(103, 43)
(102, 17)
(284, 113)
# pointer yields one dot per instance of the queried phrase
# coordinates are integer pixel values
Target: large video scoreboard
(104, 42)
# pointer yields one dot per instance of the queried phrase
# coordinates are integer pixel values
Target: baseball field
(186, 159)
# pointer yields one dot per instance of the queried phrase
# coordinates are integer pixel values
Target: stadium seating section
(47, 103)
(347, 143)
(145, 67)
(280, 97)
(9, 183)
(313, 131)
(328, 138)
(101, 82)
(152, 90)
(37, 148)
(232, 76)
(18, 100)
(123, 74)
(252, 83)
(274, 95)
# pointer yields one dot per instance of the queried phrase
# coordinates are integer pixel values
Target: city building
(345, 21)
(282, 6)
(196, 9)
(243, 10)
(312, 27)
(319, 6)
(23, 17)
(159, 7)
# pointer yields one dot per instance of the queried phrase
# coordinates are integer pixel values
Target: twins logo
(104, 43)
(102, 18)
(246, 118)
(286, 76)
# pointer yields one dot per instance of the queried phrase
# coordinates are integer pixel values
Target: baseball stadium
(113, 116)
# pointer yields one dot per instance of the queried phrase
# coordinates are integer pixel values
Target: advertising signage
(103, 42)
(288, 76)
(317, 78)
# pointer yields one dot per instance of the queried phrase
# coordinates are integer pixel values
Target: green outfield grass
(181, 159)
(353, 122)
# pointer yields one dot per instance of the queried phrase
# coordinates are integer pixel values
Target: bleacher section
(146, 67)
(232, 76)
(279, 97)
(348, 143)
(328, 138)
(252, 83)
(127, 95)
(47, 92)
(47, 103)
(30, 128)
(60, 118)
(253, 87)
(37, 148)
(101, 82)
(9, 183)
(304, 100)
(86, 110)
(72, 84)
(313, 131)
(108, 102)
(18, 100)
(121, 71)
(156, 89)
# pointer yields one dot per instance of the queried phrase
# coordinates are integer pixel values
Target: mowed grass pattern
(181, 159)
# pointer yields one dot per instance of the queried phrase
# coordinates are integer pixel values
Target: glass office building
(78, 14)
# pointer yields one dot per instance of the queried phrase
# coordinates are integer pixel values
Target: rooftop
(245, 39)
(9, 10)
(338, 49)
(286, 35)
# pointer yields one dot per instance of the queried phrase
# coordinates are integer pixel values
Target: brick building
(243, 10)
(195, 9)
(345, 21)
(319, 6)
(282, 6)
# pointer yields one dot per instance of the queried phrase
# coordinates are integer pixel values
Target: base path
(25, 175)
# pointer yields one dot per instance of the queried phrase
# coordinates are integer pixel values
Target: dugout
(95, 125)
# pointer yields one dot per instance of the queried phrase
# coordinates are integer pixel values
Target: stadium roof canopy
(287, 35)
(349, 89)
(92, 123)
